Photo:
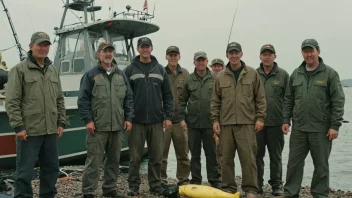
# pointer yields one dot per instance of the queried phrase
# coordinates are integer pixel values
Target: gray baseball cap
(39, 37)
(200, 54)
(310, 43)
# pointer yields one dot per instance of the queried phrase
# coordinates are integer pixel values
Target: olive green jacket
(34, 98)
(275, 84)
(195, 97)
(177, 83)
(315, 104)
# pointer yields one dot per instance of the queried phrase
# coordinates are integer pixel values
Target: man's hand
(22, 135)
(333, 134)
(127, 125)
(184, 125)
(285, 128)
(167, 124)
(216, 128)
(90, 128)
(60, 131)
(259, 125)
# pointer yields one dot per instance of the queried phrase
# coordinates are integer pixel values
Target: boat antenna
(233, 20)
(13, 31)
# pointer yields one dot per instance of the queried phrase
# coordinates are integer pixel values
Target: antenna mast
(13, 31)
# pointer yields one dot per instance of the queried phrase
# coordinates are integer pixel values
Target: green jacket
(177, 82)
(196, 96)
(315, 104)
(34, 99)
(107, 100)
(274, 85)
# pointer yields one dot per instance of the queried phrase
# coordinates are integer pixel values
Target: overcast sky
(195, 25)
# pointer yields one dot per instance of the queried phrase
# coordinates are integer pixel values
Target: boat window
(95, 39)
(73, 55)
(120, 48)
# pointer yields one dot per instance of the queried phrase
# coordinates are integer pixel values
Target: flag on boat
(145, 6)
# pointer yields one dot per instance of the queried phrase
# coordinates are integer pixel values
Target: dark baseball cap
(172, 49)
(200, 54)
(104, 45)
(310, 43)
(267, 47)
(217, 61)
(39, 37)
(144, 41)
(234, 46)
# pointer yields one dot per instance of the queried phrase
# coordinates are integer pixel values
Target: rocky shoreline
(70, 185)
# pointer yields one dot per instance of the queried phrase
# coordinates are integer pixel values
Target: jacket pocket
(193, 92)
(225, 89)
(54, 86)
(31, 87)
(319, 91)
(99, 89)
(247, 88)
(277, 91)
(32, 120)
(298, 88)
(121, 90)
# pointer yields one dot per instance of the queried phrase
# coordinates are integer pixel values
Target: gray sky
(195, 25)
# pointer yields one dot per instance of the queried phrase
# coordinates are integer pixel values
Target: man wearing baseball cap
(275, 80)
(176, 133)
(154, 106)
(36, 110)
(238, 111)
(217, 65)
(314, 101)
(195, 99)
(113, 113)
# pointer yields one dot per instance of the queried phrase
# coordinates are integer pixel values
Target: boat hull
(72, 150)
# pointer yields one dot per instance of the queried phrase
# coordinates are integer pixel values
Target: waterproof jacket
(195, 97)
(34, 98)
(153, 100)
(275, 84)
(241, 102)
(177, 82)
(107, 100)
(315, 104)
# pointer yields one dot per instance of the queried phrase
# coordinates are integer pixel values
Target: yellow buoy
(199, 191)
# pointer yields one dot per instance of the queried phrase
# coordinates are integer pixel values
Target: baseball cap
(310, 43)
(144, 41)
(217, 61)
(234, 46)
(267, 47)
(39, 37)
(172, 49)
(104, 45)
(200, 54)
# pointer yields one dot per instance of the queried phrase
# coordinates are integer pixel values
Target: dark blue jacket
(153, 100)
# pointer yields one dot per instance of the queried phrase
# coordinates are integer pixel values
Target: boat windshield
(120, 53)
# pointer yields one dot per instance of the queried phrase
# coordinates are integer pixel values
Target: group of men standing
(234, 108)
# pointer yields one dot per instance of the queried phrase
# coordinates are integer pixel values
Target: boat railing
(134, 14)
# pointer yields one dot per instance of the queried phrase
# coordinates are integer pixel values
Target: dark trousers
(154, 135)
(195, 138)
(273, 138)
(43, 147)
(319, 146)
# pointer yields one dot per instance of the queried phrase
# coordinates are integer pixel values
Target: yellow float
(199, 191)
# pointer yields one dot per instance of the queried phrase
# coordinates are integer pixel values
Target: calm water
(340, 158)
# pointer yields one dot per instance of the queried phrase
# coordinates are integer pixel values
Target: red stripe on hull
(7, 145)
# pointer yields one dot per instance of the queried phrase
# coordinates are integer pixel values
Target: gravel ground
(72, 188)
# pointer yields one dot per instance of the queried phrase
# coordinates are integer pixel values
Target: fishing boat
(75, 54)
